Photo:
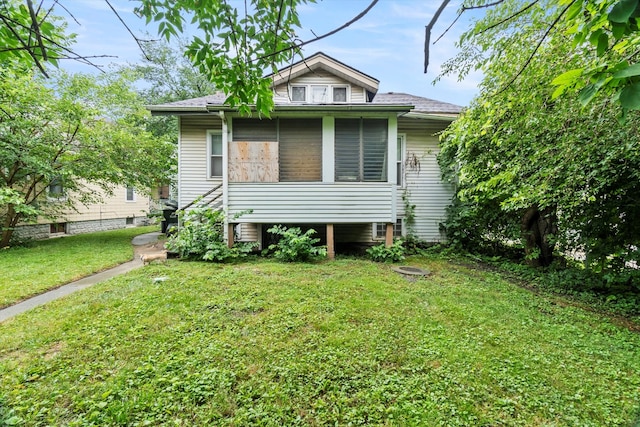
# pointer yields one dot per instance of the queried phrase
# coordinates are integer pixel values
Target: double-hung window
(131, 195)
(361, 147)
(320, 94)
(215, 154)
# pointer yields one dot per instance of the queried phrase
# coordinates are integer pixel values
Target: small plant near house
(295, 246)
(382, 253)
(201, 237)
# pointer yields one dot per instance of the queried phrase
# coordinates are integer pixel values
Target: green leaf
(622, 11)
(567, 78)
(630, 71)
(630, 97)
(618, 30)
(603, 44)
(587, 93)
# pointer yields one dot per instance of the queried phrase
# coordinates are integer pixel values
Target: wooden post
(389, 235)
(331, 251)
(230, 235)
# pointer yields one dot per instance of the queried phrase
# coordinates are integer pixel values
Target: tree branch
(508, 18)
(427, 32)
(530, 58)
(138, 41)
(342, 27)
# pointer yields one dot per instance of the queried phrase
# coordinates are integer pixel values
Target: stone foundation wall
(42, 231)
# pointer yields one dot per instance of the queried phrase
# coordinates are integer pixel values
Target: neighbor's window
(131, 195)
(299, 93)
(55, 188)
(215, 154)
(361, 147)
(339, 94)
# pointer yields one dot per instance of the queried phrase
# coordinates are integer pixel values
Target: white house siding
(312, 202)
(318, 77)
(427, 191)
(192, 157)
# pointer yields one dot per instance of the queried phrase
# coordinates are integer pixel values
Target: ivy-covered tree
(550, 173)
(70, 132)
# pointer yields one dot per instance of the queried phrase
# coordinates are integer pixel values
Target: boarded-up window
(361, 147)
(300, 150)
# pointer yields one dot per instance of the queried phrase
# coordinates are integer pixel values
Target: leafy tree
(547, 172)
(166, 75)
(70, 131)
(604, 32)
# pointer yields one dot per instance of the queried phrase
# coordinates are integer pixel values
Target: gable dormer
(320, 79)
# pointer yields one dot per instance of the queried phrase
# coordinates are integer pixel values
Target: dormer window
(339, 94)
(320, 94)
(298, 93)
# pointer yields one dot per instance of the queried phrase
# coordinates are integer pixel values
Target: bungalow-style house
(335, 154)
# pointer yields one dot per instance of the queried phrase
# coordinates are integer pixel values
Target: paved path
(14, 310)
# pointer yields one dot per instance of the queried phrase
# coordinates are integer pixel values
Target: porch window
(361, 150)
(215, 154)
(300, 150)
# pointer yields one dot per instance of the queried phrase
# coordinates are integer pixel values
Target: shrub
(201, 237)
(382, 253)
(294, 246)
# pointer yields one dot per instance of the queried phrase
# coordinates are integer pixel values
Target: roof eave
(445, 117)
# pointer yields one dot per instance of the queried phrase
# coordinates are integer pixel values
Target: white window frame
(133, 194)
(347, 94)
(309, 93)
(210, 154)
(306, 92)
(402, 150)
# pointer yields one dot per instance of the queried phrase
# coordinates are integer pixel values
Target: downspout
(225, 175)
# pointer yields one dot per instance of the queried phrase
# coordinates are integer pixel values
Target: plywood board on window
(253, 161)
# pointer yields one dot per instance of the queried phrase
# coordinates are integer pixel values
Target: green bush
(295, 246)
(201, 237)
(382, 253)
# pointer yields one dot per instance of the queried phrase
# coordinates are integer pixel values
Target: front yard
(47, 264)
(347, 342)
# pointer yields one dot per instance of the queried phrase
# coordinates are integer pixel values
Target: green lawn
(47, 264)
(342, 343)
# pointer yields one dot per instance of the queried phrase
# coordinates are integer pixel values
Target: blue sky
(387, 43)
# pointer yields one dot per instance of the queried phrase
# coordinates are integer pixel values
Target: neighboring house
(335, 155)
(125, 208)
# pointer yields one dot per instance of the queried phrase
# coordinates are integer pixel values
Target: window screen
(300, 150)
(361, 149)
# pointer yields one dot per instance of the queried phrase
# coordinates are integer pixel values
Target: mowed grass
(347, 342)
(47, 264)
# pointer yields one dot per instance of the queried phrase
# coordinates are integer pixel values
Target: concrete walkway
(69, 288)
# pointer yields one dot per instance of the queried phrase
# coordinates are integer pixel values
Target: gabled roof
(320, 61)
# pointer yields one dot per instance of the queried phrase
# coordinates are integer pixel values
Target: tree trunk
(9, 223)
(537, 229)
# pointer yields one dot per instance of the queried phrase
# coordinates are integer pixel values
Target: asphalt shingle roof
(421, 104)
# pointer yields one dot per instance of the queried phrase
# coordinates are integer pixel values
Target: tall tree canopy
(550, 172)
(70, 131)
